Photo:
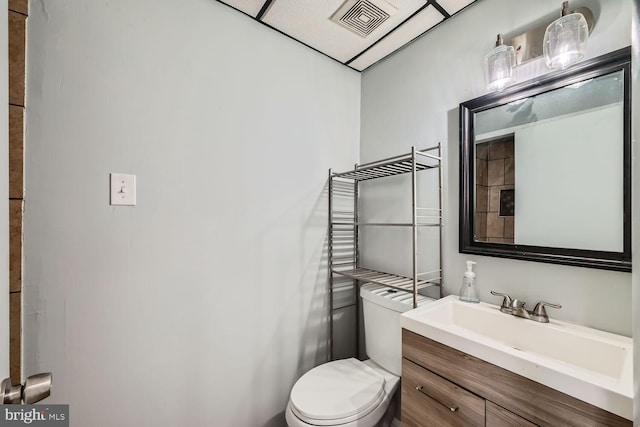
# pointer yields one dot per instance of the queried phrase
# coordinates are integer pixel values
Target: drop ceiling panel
(309, 21)
(250, 7)
(411, 29)
(452, 6)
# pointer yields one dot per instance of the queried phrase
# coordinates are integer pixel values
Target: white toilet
(349, 392)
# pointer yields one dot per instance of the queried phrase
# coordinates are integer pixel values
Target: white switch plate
(123, 189)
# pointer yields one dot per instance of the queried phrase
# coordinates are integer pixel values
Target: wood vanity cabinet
(442, 387)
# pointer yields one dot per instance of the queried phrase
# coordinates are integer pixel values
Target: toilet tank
(382, 332)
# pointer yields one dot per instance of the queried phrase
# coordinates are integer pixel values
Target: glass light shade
(499, 66)
(565, 41)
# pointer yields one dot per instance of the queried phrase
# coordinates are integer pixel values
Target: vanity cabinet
(442, 386)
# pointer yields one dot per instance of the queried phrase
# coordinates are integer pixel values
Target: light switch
(123, 189)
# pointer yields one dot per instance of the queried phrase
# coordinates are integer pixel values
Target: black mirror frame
(617, 261)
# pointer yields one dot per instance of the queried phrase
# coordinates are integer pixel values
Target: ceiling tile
(420, 23)
(309, 21)
(452, 6)
(250, 7)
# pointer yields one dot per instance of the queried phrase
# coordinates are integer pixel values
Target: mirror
(545, 168)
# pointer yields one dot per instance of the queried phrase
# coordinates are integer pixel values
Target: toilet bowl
(350, 392)
(344, 392)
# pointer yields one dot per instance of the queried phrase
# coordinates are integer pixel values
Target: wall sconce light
(499, 65)
(565, 39)
(562, 43)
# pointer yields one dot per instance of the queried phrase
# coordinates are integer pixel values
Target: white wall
(412, 98)
(204, 303)
(4, 195)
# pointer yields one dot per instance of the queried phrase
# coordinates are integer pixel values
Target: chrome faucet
(539, 314)
(516, 307)
(523, 312)
(509, 305)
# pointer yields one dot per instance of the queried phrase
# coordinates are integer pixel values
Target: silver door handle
(35, 388)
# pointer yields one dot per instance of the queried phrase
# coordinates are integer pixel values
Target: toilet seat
(337, 392)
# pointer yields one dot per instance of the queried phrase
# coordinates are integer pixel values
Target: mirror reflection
(549, 168)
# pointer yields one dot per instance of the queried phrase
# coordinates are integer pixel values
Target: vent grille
(362, 17)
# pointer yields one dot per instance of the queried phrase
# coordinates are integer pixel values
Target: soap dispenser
(468, 289)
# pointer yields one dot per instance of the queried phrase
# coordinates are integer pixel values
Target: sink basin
(585, 363)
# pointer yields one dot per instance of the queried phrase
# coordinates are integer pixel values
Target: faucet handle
(539, 313)
(507, 302)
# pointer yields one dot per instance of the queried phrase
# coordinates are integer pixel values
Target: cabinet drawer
(430, 400)
(500, 417)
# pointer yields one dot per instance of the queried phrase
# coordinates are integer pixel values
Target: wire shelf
(389, 280)
(385, 224)
(392, 166)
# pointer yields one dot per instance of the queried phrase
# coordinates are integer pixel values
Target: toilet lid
(338, 389)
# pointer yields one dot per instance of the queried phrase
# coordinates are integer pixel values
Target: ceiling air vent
(363, 16)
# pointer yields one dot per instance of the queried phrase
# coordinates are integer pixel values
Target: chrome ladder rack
(343, 243)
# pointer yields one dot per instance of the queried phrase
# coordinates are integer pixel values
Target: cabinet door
(430, 400)
(497, 416)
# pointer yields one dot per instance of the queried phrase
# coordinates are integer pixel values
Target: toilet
(350, 392)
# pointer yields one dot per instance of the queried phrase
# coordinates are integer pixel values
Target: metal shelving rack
(344, 224)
